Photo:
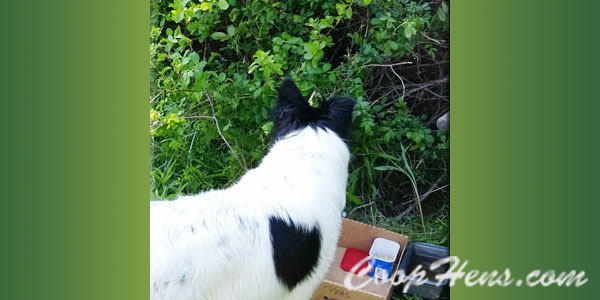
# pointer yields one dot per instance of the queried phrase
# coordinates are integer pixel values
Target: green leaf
(332, 77)
(340, 7)
(252, 68)
(267, 127)
(385, 168)
(349, 13)
(429, 139)
(205, 5)
(353, 198)
(257, 93)
(314, 62)
(195, 58)
(223, 5)
(409, 31)
(441, 15)
(231, 30)
(177, 15)
(201, 65)
(388, 136)
(219, 36)
(186, 78)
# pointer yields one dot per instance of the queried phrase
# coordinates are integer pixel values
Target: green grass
(436, 219)
(215, 71)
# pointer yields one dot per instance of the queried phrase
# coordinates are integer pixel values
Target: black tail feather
(292, 112)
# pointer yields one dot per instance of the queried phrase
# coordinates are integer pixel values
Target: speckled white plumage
(216, 245)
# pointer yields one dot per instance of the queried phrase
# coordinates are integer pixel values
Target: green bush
(223, 61)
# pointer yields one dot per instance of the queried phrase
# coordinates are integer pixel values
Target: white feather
(217, 244)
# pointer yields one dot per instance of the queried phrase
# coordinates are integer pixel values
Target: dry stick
(412, 206)
(359, 207)
(388, 92)
(440, 43)
(196, 105)
(198, 117)
(435, 63)
(310, 99)
(418, 88)
(431, 190)
(437, 95)
(212, 107)
(395, 90)
(403, 86)
(154, 98)
(367, 30)
(374, 90)
(389, 65)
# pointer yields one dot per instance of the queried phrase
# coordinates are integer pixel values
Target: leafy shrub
(220, 62)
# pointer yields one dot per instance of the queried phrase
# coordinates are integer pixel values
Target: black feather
(295, 250)
(292, 112)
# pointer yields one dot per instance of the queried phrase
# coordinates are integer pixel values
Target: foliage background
(75, 155)
(216, 65)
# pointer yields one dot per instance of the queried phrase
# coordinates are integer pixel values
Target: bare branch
(198, 117)
(403, 86)
(431, 190)
(310, 99)
(212, 107)
(389, 65)
(154, 98)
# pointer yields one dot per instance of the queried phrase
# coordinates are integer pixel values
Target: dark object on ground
(424, 254)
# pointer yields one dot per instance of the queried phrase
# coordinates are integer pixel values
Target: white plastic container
(383, 254)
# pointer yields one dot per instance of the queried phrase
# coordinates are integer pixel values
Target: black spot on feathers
(296, 250)
(182, 279)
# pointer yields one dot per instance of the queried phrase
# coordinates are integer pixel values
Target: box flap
(359, 236)
(337, 275)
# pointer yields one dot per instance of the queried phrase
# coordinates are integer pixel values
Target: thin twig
(437, 95)
(154, 98)
(431, 190)
(310, 99)
(403, 86)
(198, 117)
(359, 207)
(436, 63)
(440, 43)
(212, 107)
(367, 30)
(389, 65)
(418, 88)
(374, 90)
(196, 105)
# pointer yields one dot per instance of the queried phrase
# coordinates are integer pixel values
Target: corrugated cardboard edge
(382, 229)
(375, 296)
(365, 294)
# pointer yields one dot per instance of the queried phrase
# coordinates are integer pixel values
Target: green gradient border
(75, 150)
(524, 150)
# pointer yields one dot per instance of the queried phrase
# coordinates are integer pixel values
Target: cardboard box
(358, 236)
